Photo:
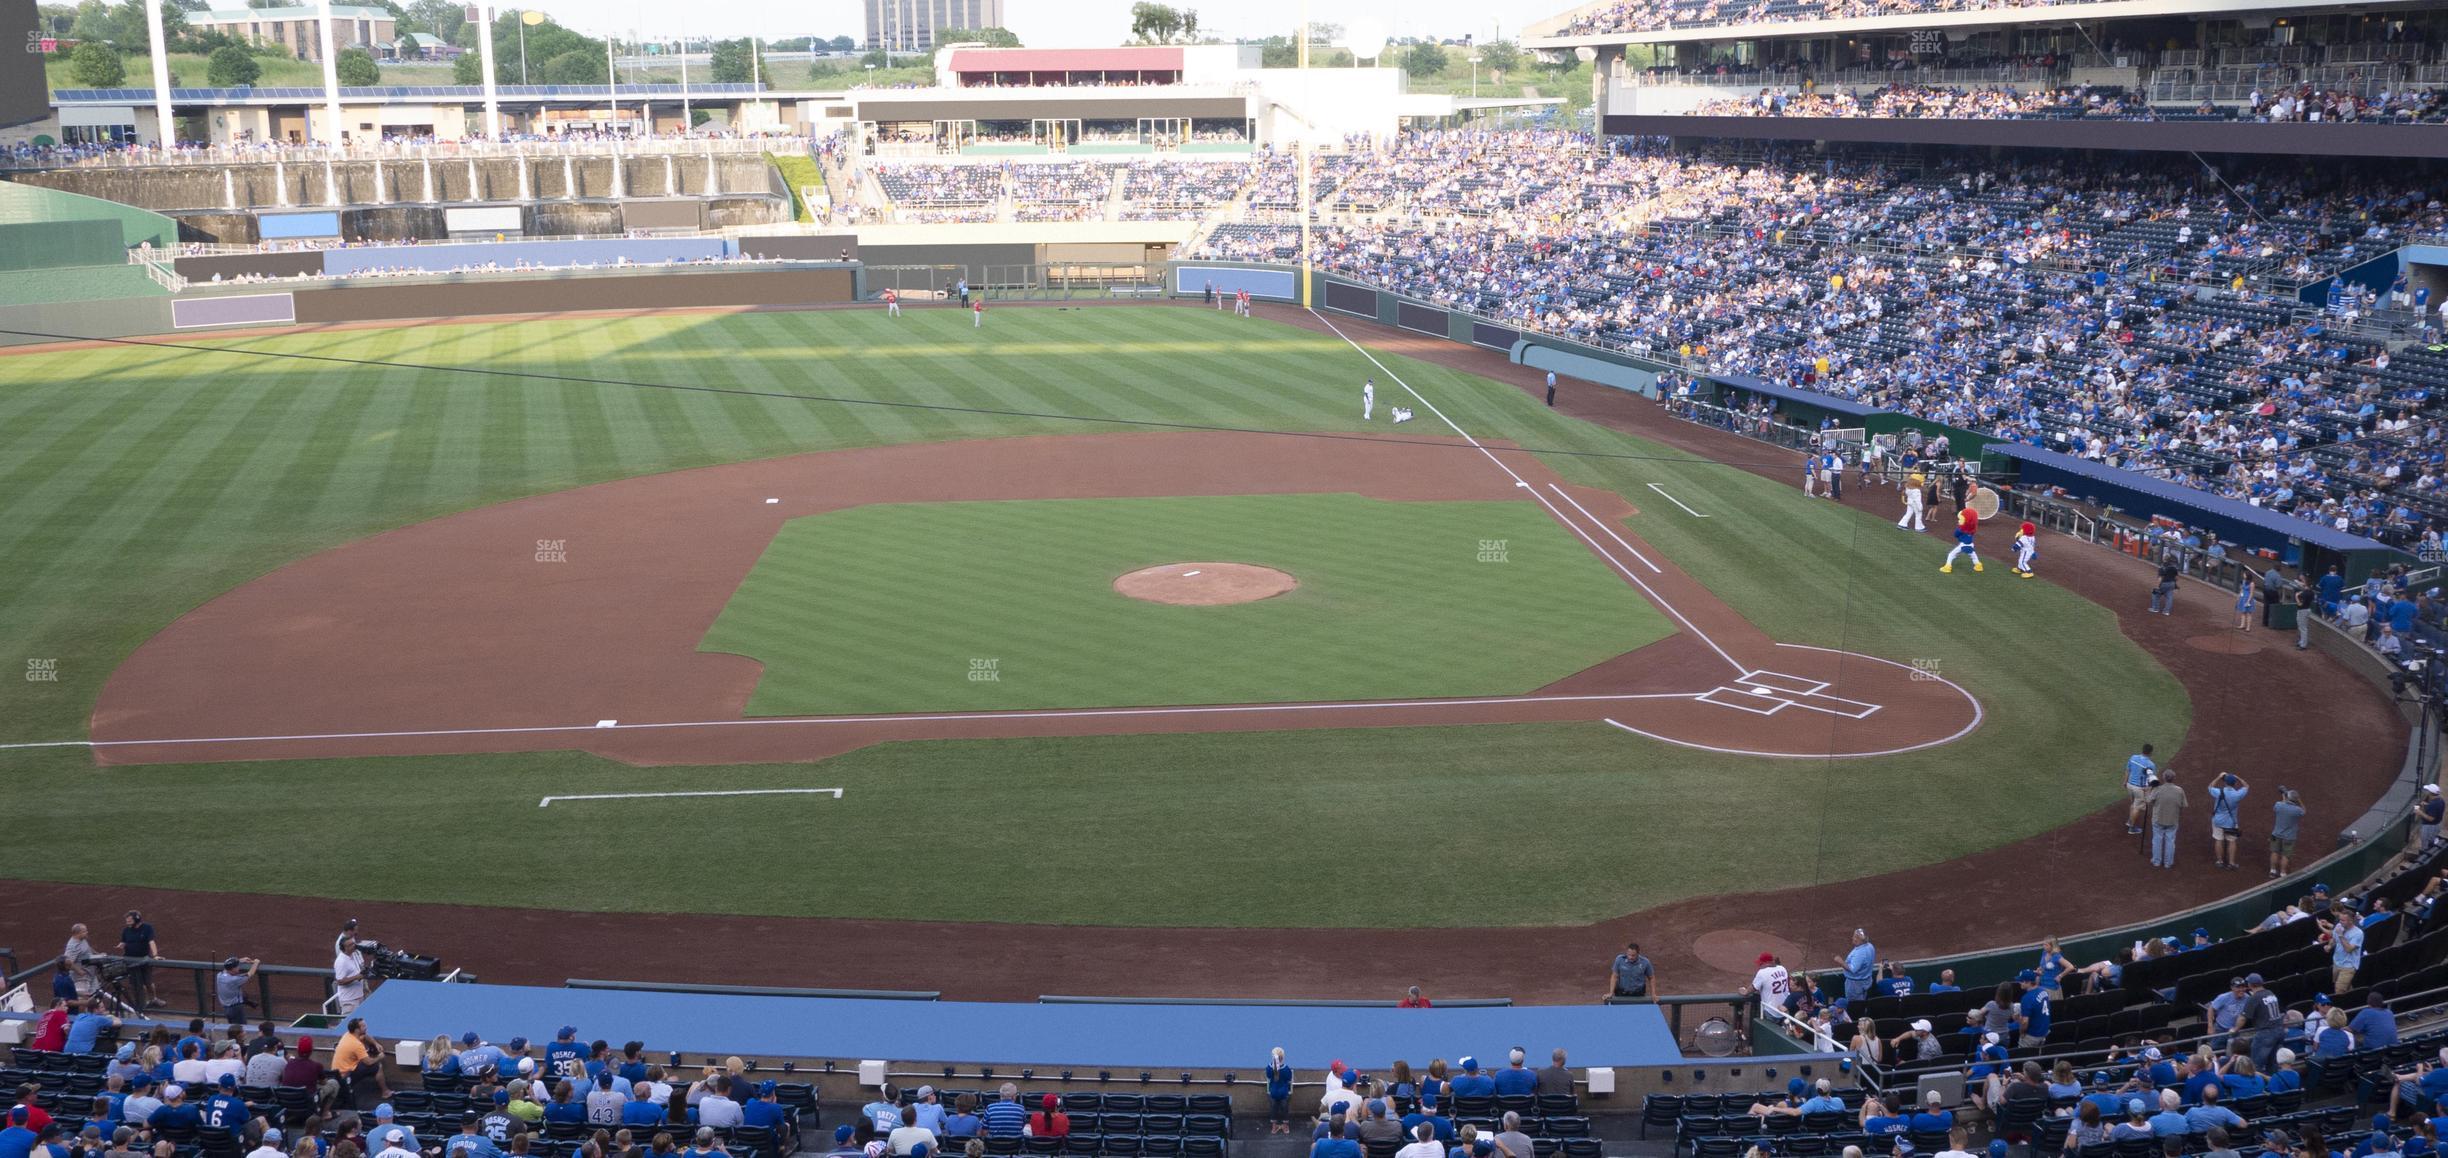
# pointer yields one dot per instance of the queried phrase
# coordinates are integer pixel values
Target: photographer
(2286, 821)
(230, 988)
(349, 987)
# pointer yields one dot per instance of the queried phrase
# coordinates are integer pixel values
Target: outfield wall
(664, 289)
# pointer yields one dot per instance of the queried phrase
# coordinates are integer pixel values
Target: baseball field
(395, 587)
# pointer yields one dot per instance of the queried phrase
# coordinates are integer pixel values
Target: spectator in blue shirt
(470, 1142)
(1945, 983)
(1334, 1145)
(1006, 1118)
(2210, 1113)
(2104, 1095)
(564, 1106)
(2031, 1010)
(963, 1121)
(1876, 1121)
(86, 1027)
(1823, 1100)
(2170, 1121)
(1934, 1117)
(642, 1109)
(1472, 1083)
(2135, 1125)
(18, 1140)
(1860, 965)
(2243, 1080)
(1516, 1078)
(562, 1056)
(2374, 1025)
(884, 1113)
(1279, 1094)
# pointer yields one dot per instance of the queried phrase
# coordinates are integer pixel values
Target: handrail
(1293, 1002)
(753, 990)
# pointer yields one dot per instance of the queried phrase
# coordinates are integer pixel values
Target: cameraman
(349, 977)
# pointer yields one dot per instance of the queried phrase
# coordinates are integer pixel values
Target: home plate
(1760, 691)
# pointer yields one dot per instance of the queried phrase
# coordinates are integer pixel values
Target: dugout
(2310, 547)
(1800, 407)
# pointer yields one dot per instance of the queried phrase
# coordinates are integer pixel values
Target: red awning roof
(1151, 58)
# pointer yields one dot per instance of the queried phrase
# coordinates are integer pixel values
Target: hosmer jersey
(1773, 987)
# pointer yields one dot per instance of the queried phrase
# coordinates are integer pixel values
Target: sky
(1056, 23)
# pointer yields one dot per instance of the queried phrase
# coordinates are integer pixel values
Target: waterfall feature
(331, 184)
(472, 194)
(429, 189)
(671, 177)
(569, 179)
(280, 183)
(617, 181)
(526, 190)
(380, 196)
(713, 177)
(229, 189)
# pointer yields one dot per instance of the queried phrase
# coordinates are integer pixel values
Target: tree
(735, 62)
(990, 37)
(844, 44)
(467, 68)
(96, 65)
(356, 66)
(1423, 60)
(441, 18)
(1500, 55)
(1154, 23)
(230, 66)
(128, 27)
(92, 21)
(55, 19)
(581, 66)
(1189, 24)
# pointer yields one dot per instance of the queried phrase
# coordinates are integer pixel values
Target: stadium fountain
(381, 196)
(331, 185)
(671, 177)
(229, 189)
(569, 179)
(472, 196)
(713, 177)
(618, 162)
(429, 185)
(280, 183)
(526, 180)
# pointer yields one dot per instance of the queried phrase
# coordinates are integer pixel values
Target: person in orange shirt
(357, 1061)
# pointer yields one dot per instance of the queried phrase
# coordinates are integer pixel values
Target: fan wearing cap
(1917, 1043)
(563, 1056)
(477, 1057)
(2428, 813)
(397, 1143)
(388, 1132)
(1471, 1083)
(270, 1145)
(763, 1111)
(928, 1111)
(222, 1110)
(177, 1117)
(1933, 1117)
(1771, 984)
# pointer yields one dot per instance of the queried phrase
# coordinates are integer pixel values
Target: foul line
(1678, 502)
(1523, 483)
(1603, 525)
(836, 793)
(787, 721)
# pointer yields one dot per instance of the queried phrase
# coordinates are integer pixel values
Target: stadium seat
(567, 1131)
(1195, 1147)
(1804, 1146)
(1822, 1122)
(1082, 1144)
(1118, 1124)
(1719, 1147)
(1210, 1103)
(1206, 1125)
(1155, 1123)
(1082, 1103)
(1575, 1126)
(1659, 1110)
(1008, 1146)
(1125, 1103)
(799, 1096)
(297, 1103)
(1481, 1107)
(1523, 1104)
(1381, 1148)
(2137, 1148)
(1551, 1104)
(1123, 1145)
(1168, 1103)
(1583, 1148)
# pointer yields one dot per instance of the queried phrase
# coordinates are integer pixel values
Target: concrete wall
(116, 318)
(496, 179)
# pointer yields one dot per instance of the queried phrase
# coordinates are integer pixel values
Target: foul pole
(492, 98)
(331, 76)
(165, 130)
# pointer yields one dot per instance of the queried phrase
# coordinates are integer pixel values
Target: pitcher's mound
(1205, 584)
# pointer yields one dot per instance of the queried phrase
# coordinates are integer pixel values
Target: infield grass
(978, 606)
(137, 482)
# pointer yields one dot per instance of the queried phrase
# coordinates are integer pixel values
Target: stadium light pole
(165, 129)
(492, 98)
(611, 85)
(688, 117)
(1300, 153)
(331, 76)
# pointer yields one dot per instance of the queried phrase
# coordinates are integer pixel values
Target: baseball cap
(173, 1092)
(2201, 932)
(2236, 982)
(517, 1044)
(1989, 1039)
(2101, 1078)
(383, 1111)
(2151, 1053)
(1796, 1086)
(1997, 1148)
(2320, 888)
(926, 1091)
(273, 1134)
(17, 1115)
(2431, 788)
(842, 1134)
(2133, 1105)
(501, 1097)
(2252, 979)
(2279, 1139)
(2320, 999)
(1470, 1064)
(1767, 958)
(2028, 975)
(468, 1038)
(918, 1150)
(229, 1081)
(306, 1045)
(2286, 1056)
(567, 1032)
(1922, 1025)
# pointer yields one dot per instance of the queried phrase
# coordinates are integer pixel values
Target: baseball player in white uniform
(1368, 398)
(1772, 984)
(1912, 503)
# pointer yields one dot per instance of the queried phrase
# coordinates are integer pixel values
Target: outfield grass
(136, 482)
(889, 608)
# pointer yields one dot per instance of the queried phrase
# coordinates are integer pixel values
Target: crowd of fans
(2133, 313)
(2004, 102)
(1655, 15)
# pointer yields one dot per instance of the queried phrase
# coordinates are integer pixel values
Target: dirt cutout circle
(1205, 584)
